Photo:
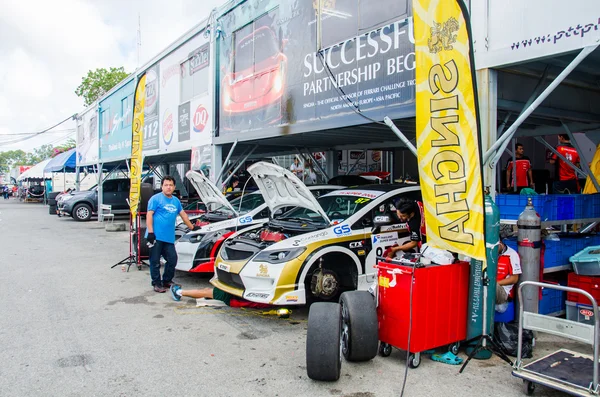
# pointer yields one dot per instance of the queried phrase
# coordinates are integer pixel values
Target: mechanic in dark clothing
(567, 177)
(408, 211)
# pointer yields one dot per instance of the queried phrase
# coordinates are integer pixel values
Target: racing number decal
(362, 200)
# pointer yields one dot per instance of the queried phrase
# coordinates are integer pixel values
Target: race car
(315, 251)
(196, 250)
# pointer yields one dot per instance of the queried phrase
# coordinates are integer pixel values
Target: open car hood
(280, 188)
(208, 192)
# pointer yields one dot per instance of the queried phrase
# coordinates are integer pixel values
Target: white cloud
(46, 47)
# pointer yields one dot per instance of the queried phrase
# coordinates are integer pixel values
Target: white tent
(37, 171)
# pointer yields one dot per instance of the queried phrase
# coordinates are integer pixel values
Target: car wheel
(360, 337)
(323, 347)
(325, 284)
(82, 212)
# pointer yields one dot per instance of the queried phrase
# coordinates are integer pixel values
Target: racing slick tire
(360, 336)
(323, 349)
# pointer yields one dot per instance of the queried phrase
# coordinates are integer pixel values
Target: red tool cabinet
(439, 305)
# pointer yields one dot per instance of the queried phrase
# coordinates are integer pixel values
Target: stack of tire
(348, 328)
(52, 202)
(145, 195)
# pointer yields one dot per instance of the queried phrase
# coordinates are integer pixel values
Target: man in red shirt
(509, 268)
(523, 170)
(567, 177)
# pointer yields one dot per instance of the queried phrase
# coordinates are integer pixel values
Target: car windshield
(248, 203)
(197, 205)
(337, 208)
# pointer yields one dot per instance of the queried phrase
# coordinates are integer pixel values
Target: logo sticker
(167, 129)
(342, 230)
(356, 244)
(257, 295)
(224, 267)
(200, 118)
(587, 313)
(384, 238)
(361, 252)
(263, 271)
(291, 298)
(245, 219)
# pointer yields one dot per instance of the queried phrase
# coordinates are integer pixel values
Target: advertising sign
(511, 31)
(448, 148)
(116, 115)
(273, 71)
(87, 136)
(137, 140)
(151, 110)
(185, 117)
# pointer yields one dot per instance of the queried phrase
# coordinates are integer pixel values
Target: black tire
(529, 388)
(360, 336)
(414, 360)
(453, 348)
(52, 209)
(385, 349)
(144, 250)
(323, 352)
(82, 212)
(52, 202)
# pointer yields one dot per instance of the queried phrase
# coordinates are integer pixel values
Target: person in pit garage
(522, 169)
(163, 209)
(297, 169)
(567, 177)
(509, 268)
(408, 211)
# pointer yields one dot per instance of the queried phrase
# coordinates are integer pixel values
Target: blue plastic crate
(511, 205)
(507, 316)
(560, 207)
(552, 301)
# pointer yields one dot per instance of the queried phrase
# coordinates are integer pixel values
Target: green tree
(98, 82)
(12, 158)
(40, 154)
(65, 147)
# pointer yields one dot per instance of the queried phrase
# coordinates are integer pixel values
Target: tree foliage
(65, 147)
(11, 158)
(98, 82)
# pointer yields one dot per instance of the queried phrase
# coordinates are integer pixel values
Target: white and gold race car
(317, 250)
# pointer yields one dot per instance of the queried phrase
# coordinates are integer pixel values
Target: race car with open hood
(196, 250)
(315, 251)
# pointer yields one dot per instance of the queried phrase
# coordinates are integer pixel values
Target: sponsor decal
(257, 295)
(361, 252)
(382, 219)
(342, 230)
(167, 127)
(307, 239)
(291, 298)
(357, 193)
(263, 271)
(224, 267)
(183, 122)
(356, 244)
(396, 227)
(384, 238)
(376, 156)
(199, 59)
(200, 118)
(245, 219)
(587, 313)
(171, 71)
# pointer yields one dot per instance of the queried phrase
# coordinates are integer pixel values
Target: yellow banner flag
(448, 128)
(595, 168)
(137, 143)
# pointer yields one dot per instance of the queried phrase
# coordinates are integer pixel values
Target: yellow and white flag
(448, 147)
(137, 144)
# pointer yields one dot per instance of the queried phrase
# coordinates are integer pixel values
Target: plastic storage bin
(552, 301)
(507, 316)
(511, 205)
(580, 313)
(589, 284)
(587, 262)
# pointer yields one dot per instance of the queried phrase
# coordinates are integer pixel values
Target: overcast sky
(46, 47)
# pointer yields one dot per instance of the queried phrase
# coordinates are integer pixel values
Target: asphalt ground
(72, 326)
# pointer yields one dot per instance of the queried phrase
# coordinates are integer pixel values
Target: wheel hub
(329, 285)
(82, 212)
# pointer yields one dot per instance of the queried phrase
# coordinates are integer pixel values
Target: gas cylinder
(529, 240)
(481, 271)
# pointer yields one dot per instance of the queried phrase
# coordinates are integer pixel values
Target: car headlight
(279, 256)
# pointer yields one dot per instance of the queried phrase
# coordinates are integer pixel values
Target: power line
(36, 133)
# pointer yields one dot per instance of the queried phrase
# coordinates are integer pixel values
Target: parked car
(196, 250)
(318, 250)
(83, 204)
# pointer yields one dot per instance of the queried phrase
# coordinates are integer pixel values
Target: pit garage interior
(521, 100)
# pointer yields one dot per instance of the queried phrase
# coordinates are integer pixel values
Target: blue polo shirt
(165, 214)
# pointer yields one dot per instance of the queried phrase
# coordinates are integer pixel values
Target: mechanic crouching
(408, 211)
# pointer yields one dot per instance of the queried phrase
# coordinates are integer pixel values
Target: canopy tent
(35, 172)
(63, 162)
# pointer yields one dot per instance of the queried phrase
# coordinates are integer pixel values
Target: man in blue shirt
(163, 209)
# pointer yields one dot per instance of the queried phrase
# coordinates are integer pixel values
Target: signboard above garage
(519, 31)
(273, 73)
